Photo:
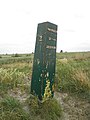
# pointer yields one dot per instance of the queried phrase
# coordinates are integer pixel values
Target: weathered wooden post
(44, 59)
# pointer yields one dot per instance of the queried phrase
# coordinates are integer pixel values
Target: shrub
(16, 55)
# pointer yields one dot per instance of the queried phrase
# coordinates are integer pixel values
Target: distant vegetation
(16, 55)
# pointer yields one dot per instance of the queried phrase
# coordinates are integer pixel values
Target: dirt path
(73, 108)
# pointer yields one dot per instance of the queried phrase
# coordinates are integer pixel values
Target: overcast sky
(19, 19)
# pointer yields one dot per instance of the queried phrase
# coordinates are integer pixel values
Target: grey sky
(19, 19)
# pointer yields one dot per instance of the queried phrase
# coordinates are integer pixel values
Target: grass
(10, 78)
(72, 76)
(9, 59)
(15, 73)
(11, 109)
(48, 110)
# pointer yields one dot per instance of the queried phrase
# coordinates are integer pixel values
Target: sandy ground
(73, 108)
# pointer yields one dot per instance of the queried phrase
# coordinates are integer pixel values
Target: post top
(48, 24)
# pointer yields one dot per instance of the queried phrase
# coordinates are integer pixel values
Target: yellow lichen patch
(47, 93)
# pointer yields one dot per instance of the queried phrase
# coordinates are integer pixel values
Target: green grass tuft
(11, 109)
(48, 110)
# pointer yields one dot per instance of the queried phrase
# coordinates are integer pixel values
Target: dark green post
(44, 59)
